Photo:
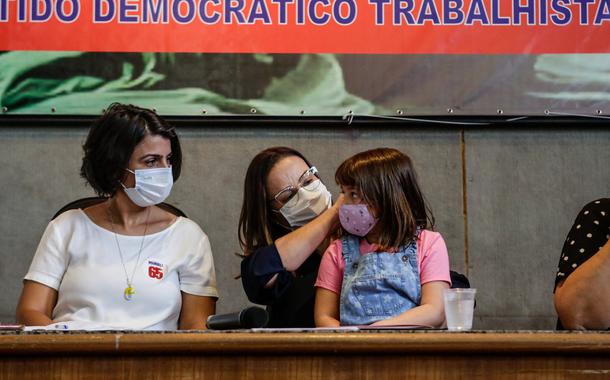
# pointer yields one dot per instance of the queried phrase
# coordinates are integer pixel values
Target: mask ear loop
(121, 183)
(275, 218)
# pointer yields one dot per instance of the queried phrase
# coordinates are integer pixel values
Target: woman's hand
(36, 304)
(339, 201)
(336, 206)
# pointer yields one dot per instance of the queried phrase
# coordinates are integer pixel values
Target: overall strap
(350, 245)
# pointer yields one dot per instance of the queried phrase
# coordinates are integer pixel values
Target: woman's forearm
(295, 247)
(33, 318)
(582, 301)
(195, 311)
(35, 306)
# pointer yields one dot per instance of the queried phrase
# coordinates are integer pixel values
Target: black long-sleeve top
(290, 301)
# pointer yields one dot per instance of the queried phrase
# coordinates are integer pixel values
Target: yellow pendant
(129, 291)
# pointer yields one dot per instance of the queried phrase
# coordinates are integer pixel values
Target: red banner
(308, 26)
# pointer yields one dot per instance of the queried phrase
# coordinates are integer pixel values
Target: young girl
(388, 268)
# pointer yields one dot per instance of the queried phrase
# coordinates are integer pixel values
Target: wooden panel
(318, 342)
(338, 367)
(376, 356)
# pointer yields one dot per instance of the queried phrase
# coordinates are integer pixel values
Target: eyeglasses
(289, 196)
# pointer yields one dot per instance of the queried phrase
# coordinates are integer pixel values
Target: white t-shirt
(81, 261)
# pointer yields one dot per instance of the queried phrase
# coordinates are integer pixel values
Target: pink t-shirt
(432, 258)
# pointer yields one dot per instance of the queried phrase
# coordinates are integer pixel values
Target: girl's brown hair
(388, 183)
(257, 226)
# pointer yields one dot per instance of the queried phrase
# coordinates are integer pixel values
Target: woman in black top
(285, 220)
(582, 285)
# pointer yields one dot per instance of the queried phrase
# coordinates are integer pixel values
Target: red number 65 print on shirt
(155, 269)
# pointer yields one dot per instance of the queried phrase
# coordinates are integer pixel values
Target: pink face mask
(356, 219)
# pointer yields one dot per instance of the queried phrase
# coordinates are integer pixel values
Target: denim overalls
(378, 285)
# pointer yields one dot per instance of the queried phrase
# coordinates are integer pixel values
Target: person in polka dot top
(582, 289)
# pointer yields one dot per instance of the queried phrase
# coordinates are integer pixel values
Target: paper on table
(395, 327)
(306, 329)
(342, 328)
(69, 325)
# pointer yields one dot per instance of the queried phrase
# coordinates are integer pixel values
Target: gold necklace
(129, 290)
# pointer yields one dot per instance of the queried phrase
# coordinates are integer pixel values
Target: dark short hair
(257, 226)
(112, 140)
(388, 182)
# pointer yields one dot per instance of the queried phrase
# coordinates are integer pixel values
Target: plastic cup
(459, 307)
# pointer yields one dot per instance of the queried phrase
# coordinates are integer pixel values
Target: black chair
(458, 280)
(90, 201)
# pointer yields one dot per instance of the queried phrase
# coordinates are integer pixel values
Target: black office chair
(458, 280)
(90, 201)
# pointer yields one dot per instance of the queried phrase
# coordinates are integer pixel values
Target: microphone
(248, 318)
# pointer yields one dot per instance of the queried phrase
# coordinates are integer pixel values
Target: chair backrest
(458, 280)
(90, 201)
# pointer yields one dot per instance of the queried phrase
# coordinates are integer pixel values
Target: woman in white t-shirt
(124, 263)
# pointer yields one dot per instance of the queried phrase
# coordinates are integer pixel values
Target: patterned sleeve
(590, 231)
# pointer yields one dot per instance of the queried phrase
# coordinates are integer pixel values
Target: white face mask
(152, 186)
(309, 205)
